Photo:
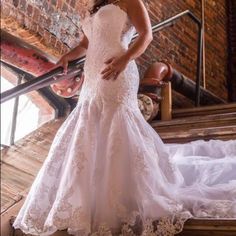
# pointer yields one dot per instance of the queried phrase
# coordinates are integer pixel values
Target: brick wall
(178, 44)
(57, 21)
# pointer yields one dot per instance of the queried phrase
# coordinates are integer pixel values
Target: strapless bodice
(109, 32)
(108, 27)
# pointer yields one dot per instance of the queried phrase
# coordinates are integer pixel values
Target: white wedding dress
(109, 171)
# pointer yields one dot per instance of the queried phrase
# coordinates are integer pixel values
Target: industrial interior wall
(178, 44)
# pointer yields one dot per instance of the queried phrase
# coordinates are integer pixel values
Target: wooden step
(223, 133)
(209, 227)
(206, 110)
(216, 120)
(184, 129)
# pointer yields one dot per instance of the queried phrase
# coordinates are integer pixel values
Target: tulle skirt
(108, 171)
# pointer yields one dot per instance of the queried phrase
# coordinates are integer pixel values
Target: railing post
(14, 115)
(166, 103)
(199, 65)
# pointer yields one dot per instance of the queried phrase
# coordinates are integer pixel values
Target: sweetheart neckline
(110, 4)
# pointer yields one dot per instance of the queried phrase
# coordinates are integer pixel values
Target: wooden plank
(8, 190)
(189, 139)
(15, 177)
(36, 148)
(223, 133)
(197, 119)
(21, 161)
(209, 108)
(206, 233)
(166, 103)
(9, 203)
(26, 153)
(190, 126)
(25, 167)
(200, 132)
(214, 109)
(209, 227)
(211, 222)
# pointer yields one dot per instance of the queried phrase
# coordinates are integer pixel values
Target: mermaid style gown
(108, 170)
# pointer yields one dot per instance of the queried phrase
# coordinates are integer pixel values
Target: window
(32, 111)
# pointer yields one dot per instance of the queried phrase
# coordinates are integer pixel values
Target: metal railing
(75, 66)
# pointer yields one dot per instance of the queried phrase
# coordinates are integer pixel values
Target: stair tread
(211, 221)
(197, 119)
(221, 133)
(213, 109)
(209, 108)
(201, 132)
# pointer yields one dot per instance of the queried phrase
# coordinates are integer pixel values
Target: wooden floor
(20, 163)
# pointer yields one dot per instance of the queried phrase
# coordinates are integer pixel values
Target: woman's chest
(110, 19)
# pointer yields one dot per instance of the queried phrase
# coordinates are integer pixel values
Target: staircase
(209, 227)
(19, 171)
(210, 122)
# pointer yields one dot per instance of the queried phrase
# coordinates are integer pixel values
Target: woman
(108, 171)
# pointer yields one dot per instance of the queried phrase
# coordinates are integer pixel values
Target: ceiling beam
(22, 55)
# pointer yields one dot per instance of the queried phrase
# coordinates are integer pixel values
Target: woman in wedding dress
(108, 172)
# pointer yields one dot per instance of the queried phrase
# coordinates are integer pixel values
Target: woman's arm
(75, 53)
(140, 19)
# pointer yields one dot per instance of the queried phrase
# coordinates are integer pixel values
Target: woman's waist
(105, 50)
(114, 96)
(94, 65)
(95, 59)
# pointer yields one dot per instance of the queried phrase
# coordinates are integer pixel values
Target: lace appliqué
(140, 165)
(218, 209)
(166, 226)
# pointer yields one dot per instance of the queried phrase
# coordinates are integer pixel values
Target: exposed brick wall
(57, 21)
(178, 44)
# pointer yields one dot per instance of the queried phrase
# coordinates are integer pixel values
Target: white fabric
(108, 168)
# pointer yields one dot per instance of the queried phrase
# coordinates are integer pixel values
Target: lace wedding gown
(108, 170)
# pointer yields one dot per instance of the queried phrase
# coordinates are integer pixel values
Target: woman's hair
(90, 6)
(98, 4)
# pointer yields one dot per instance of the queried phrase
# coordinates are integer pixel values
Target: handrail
(47, 78)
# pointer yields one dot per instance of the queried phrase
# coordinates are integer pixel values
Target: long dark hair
(98, 4)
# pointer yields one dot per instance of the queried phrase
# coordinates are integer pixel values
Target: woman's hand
(114, 66)
(64, 63)
(75, 53)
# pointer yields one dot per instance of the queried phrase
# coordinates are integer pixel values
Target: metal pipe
(14, 115)
(203, 45)
(40, 82)
(199, 66)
